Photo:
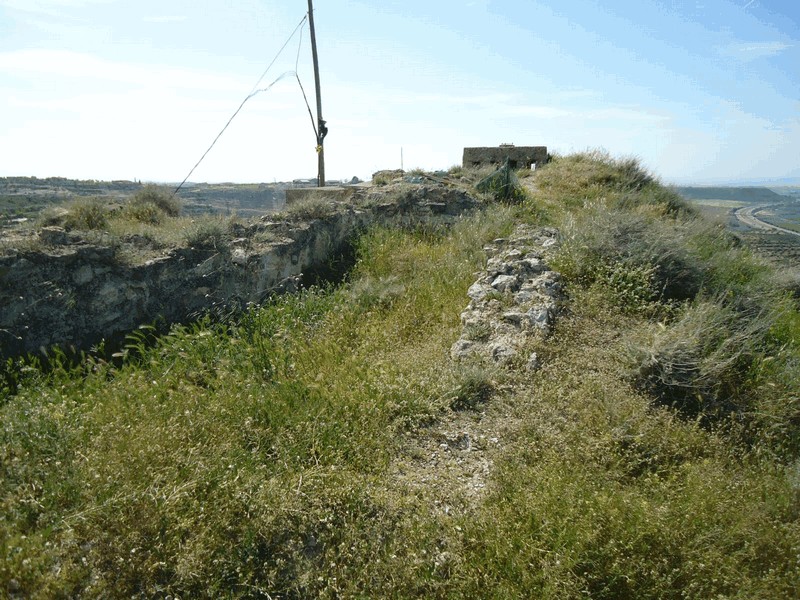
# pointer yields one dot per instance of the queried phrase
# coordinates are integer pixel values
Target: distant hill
(756, 195)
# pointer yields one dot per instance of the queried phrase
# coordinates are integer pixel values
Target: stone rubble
(514, 301)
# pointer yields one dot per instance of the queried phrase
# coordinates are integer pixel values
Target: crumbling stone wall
(513, 302)
(75, 294)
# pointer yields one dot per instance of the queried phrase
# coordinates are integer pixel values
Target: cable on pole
(255, 91)
(302, 89)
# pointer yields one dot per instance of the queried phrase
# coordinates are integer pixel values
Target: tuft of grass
(206, 234)
(456, 171)
(474, 389)
(151, 205)
(386, 177)
(311, 207)
(144, 213)
(729, 367)
(700, 361)
(639, 259)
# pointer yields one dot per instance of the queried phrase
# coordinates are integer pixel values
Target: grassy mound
(277, 455)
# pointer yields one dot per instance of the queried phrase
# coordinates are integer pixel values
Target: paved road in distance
(747, 215)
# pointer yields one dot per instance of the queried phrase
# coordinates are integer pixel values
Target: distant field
(24, 198)
(780, 209)
(716, 203)
(719, 210)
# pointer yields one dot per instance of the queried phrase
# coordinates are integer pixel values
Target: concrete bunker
(519, 157)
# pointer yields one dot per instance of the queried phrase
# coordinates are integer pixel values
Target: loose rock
(515, 299)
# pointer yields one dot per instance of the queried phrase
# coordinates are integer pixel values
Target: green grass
(138, 230)
(312, 207)
(258, 456)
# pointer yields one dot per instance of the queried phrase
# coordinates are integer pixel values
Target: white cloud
(77, 115)
(755, 50)
(165, 19)
(53, 8)
(63, 64)
(535, 111)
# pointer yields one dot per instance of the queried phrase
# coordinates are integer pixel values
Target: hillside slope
(327, 445)
(748, 195)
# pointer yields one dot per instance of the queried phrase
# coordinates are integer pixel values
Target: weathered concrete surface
(519, 157)
(76, 294)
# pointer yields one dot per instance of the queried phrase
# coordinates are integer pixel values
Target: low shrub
(624, 249)
(144, 212)
(311, 207)
(52, 216)
(502, 186)
(159, 197)
(86, 215)
(206, 234)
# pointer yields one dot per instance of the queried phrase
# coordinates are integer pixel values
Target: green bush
(144, 212)
(311, 207)
(86, 215)
(156, 196)
(621, 249)
(207, 234)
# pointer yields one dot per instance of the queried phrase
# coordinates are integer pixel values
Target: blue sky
(703, 91)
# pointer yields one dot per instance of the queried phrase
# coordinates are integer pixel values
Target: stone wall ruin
(74, 293)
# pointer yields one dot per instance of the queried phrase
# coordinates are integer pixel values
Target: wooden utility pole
(322, 130)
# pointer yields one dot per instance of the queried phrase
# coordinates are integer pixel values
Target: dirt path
(512, 304)
(450, 464)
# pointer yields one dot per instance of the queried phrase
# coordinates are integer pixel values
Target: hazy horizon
(119, 90)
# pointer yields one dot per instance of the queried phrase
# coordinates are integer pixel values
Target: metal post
(322, 130)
